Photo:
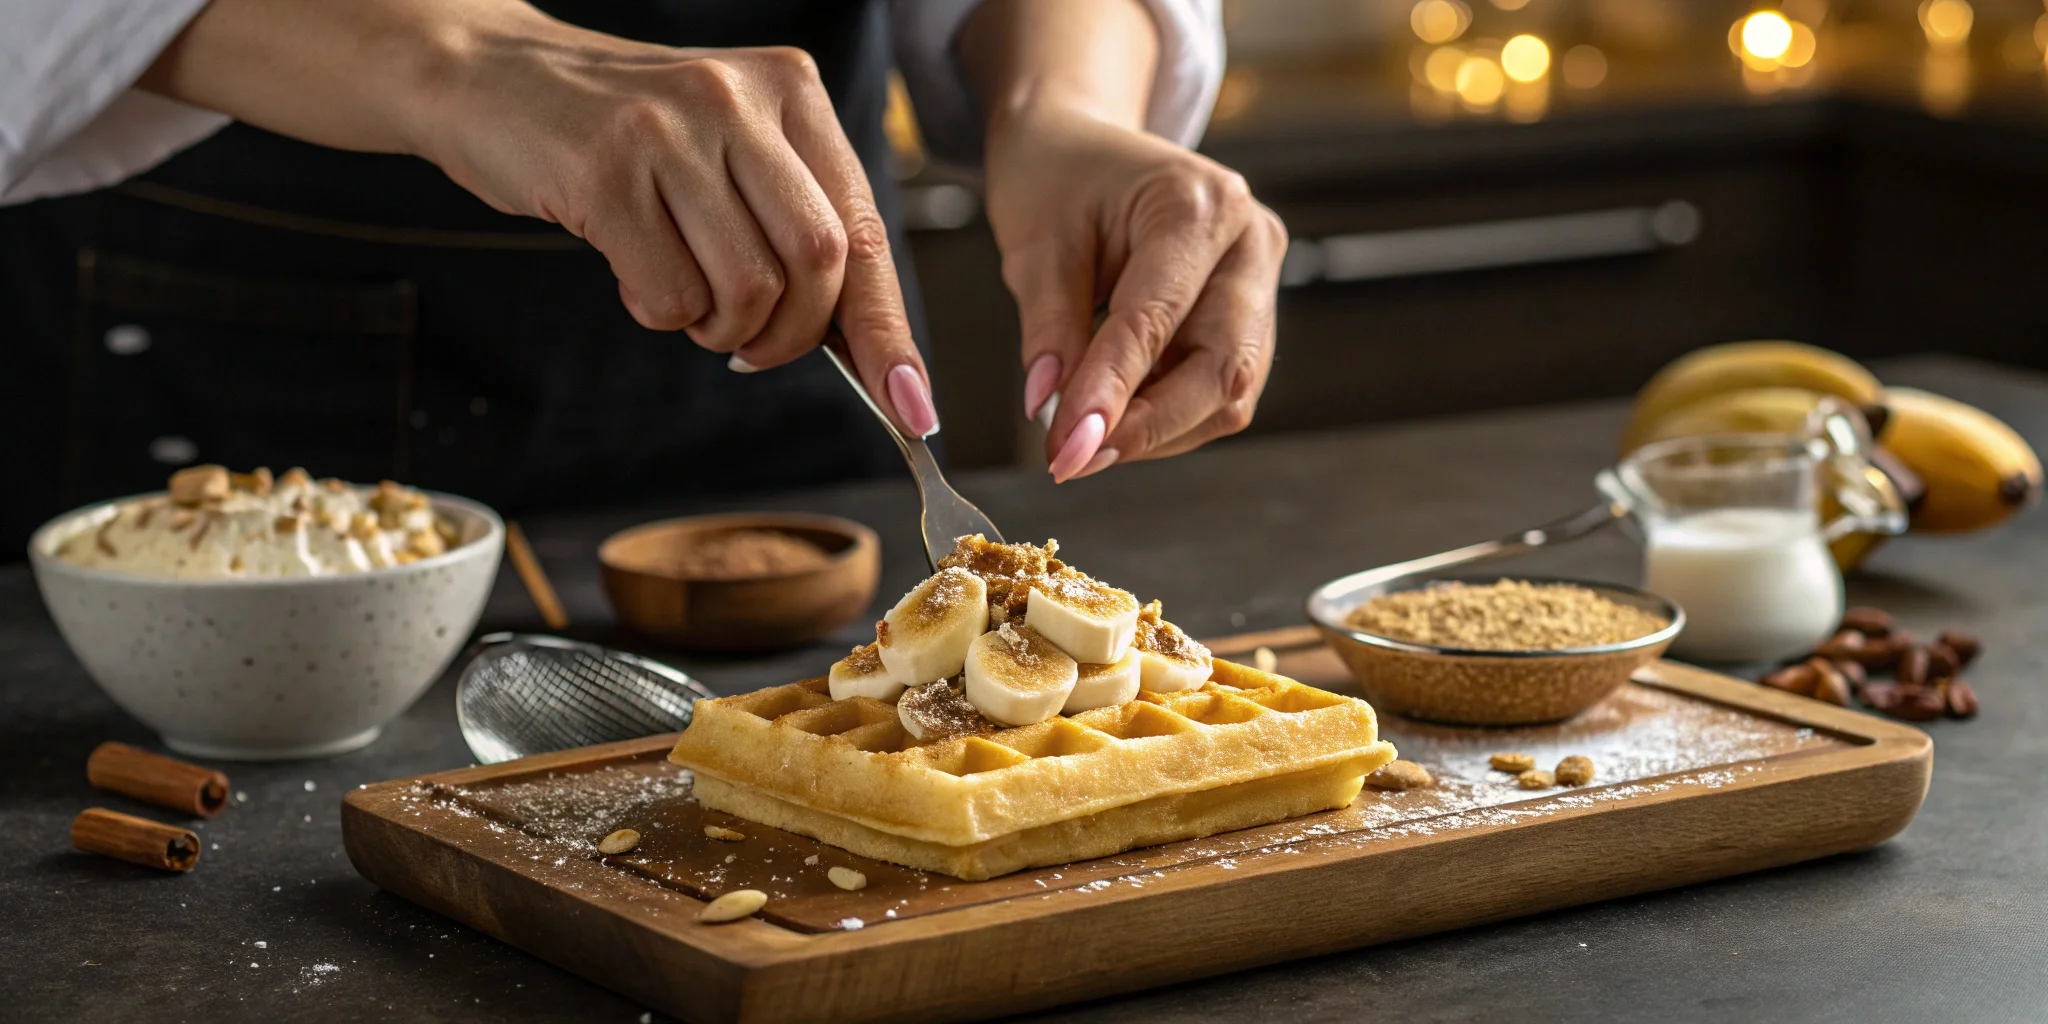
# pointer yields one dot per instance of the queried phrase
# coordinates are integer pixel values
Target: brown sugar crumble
(739, 554)
(1511, 615)
(941, 711)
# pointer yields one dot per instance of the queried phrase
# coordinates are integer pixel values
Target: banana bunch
(1959, 468)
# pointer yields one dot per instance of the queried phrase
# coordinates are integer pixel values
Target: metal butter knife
(947, 516)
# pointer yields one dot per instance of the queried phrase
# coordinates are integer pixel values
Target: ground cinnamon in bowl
(1509, 615)
(743, 554)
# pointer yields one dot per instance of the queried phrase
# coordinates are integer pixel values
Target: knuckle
(753, 294)
(1151, 321)
(791, 62)
(1241, 377)
(1234, 417)
(821, 247)
(714, 81)
(866, 237)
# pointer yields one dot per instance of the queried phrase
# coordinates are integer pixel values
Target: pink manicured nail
(913, 402)
(1102, 460)
(1079, 449)
(739, 364)
(1038, 384)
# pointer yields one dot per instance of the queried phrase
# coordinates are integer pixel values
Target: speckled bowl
(270, 669)
(1468, 687)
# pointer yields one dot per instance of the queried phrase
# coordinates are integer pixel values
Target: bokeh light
(1525, 58)
(1947, 22)
(1480, 81)
(1584, 66)
(1766, 35)
(1439, 21)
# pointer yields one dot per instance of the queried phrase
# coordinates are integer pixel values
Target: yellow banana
(1745, 365)
(1748, 411)
(1977, 470)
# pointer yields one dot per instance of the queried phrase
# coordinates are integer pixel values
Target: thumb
(1054, 289)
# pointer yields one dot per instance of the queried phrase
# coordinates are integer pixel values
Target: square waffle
(1247, 747)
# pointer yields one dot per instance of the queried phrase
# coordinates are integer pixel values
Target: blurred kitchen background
(1508, 202)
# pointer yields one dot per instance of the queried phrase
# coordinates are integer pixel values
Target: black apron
(261, 301)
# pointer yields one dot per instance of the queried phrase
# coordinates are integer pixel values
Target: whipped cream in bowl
(246, 616)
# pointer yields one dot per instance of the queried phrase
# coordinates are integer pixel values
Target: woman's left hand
(1087, 212)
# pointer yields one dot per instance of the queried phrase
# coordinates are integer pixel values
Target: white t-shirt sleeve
(70, 119)
(1183, 89)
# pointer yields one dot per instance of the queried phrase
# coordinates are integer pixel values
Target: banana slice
(1090, 621)
(1101, 686)
(925, 637)
(862, 674)
(1015, 676)
(936, 711)
(1169, 659)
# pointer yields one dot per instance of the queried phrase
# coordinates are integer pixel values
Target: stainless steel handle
(947, 516)
(1500, 243)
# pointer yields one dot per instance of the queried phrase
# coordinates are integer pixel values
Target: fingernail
(913, 401)
(739, 364)
(1102, 460)
(1079, 449)
(1039, 382)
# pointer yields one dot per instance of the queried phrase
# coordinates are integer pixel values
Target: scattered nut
(811, 861)
(1942, 661)
(1846, 644)
(618, 842)
(1913, 666)
(1919, 704)
(732, 906)
(1833, 687)
(1400, 775)
(362, 526)
(196, 485)
(1881, 696)
(1966, 646)
(1512, 762)
(1535, 778)
(723, 834)
(426, 544)
(1962, 699)
(1576, 770)
(846, 878)
(1797, 679)
(1853, 671)
(296, 477)
(1871, 622)
(1265, 660)
(257, 483)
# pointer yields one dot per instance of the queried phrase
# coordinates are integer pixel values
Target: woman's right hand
(717, 182)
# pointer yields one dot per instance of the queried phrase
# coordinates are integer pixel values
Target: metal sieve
(523, 694)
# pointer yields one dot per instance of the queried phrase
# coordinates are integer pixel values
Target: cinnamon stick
(151, 844)
(534, 578)
(163, 781)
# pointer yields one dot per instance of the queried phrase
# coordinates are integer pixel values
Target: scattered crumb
(723, 834)
(310, 786)
(811, 860)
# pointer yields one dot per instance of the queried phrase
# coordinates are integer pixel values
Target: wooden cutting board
(1700, 776)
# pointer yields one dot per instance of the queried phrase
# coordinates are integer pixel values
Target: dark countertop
(1943, 922)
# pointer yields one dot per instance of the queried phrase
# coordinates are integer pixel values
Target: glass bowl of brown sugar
(1490, 650)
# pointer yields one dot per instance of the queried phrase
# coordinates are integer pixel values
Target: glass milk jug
(1732, 530)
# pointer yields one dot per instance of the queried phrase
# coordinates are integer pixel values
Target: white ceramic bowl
(270, 669)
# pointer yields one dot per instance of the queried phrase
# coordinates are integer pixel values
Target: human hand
(717, 183)
(1086, 211)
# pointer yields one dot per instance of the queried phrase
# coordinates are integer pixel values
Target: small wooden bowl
(757, 613)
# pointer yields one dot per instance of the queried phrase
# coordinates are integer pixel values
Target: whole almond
(1535, 778)
(1962, 699)
(732, 906)
(1881, 696)
(1853, 671)
(1942, 661)
(1846, 644)
(1913, 666)
(1517, 763)
(1966, 646)
(1871, 622)
(1792, 679)
(1576, 770)
(1832, 688)
(1919, 704)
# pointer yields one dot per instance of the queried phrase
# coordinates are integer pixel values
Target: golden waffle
(1162, 819)
(852, 760)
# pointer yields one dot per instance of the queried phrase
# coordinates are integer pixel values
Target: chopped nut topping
(618, 842)
(197, 485)
(1512, 762)
(426, 544)
(363, 526)
(295, 477)
(257, 483)
(1510, 615)
(287, 524)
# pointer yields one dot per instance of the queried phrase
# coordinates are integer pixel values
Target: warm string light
(1439, 21)
(1946, 22)
(1525, 58)
(1775, 49)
